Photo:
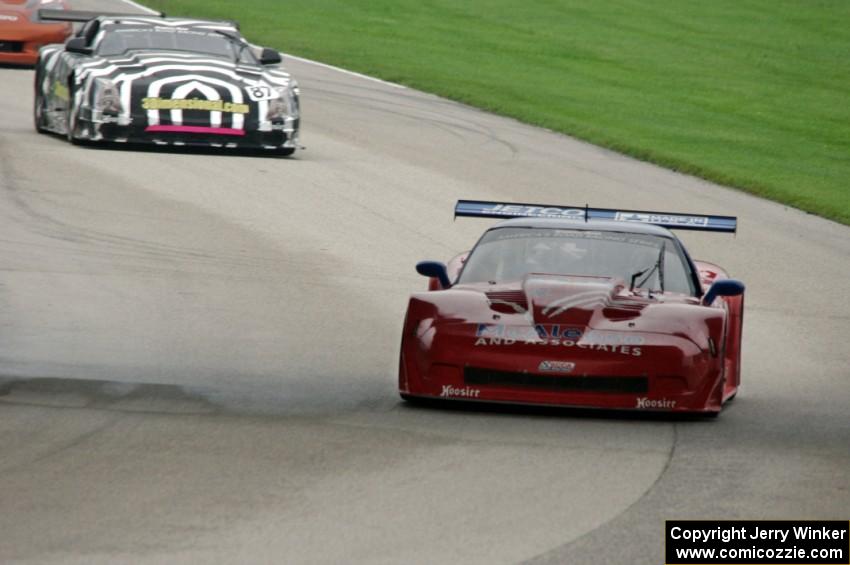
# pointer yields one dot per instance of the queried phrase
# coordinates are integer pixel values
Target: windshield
(208, 42)
(508, 254)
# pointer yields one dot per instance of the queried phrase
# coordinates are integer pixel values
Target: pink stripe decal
(196, 129)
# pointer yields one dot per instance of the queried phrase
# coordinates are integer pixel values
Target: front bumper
(22, 58)
(123, 130)
(671, 374)
(19, 53)
(651, 401)
(19, 48)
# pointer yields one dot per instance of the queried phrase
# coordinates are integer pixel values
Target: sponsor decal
(536, 211)
(556, 335)
(178, 30)
(661, 219)
(644, 402)
(194, 104)
(528, 333)
(556, 366)
(602, 337)
(60, 90)
(8, 18)
(578, 235)
(450, 391)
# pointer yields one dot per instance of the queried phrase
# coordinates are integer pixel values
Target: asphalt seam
(550, 555)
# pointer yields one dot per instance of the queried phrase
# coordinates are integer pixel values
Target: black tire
(38, 105)
(286, 151)
(71, 119)
(38, 114)
(411, 399)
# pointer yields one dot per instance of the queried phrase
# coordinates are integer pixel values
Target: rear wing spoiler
(670, 220)
(82, 16)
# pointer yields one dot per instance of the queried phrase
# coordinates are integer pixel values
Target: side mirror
(78, 45)
(270, 57)
(434, 269)
(725, 287)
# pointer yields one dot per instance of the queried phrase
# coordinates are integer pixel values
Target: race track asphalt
(198, 352)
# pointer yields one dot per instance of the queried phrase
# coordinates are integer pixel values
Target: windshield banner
(671, 220)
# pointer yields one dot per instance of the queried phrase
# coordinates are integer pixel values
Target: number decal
(259, 92)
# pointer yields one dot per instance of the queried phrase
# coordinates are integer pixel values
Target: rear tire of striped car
(38, 112)
(286, 151)
(38, 106)
(71, 120)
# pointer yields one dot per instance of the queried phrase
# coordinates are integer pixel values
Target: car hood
(543, 304)
(11, 15)
(146, 63)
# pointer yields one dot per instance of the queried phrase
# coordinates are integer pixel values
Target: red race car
(22, 32)
(583, 307)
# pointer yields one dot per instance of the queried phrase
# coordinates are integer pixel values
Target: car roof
(590, 225)
(152, 21)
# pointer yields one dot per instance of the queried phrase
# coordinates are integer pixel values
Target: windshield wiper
(657, 266)
(242, 47)
(660, 263)
(234, 39)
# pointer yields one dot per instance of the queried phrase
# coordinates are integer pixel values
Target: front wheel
(413, 400)
(286, 151)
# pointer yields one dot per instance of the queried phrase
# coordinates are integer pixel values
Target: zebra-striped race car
(166, 81)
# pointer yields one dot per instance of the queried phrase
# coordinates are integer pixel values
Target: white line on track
(367, 77)
(302, 59)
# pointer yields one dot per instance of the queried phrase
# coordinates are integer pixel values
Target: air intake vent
(11, 46)
(622, 385)
(508, 301)
(623, 310)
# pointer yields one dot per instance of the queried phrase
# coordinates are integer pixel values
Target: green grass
(749, 93)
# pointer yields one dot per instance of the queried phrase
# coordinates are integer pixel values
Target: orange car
(21, 32)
